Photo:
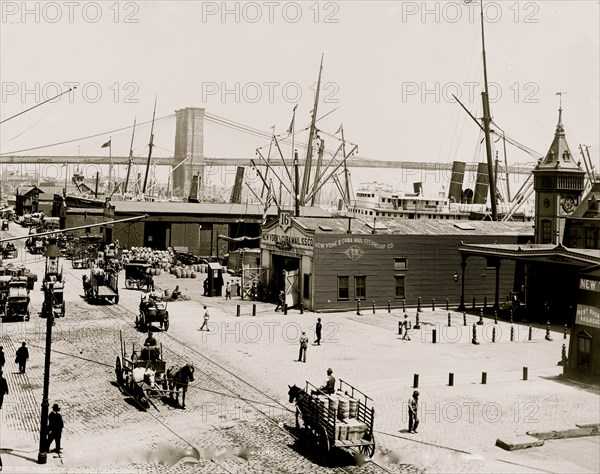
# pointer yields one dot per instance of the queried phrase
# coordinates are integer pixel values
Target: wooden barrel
(178, 272)
(352, 408)
(343, 408)
(333, 403)
(193, 275)
(157, 270)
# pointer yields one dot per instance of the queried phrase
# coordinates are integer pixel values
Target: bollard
(464, 318)
(254, 309)
(301, 308)
(416, 381)
(512, 334)
(524, 373)
(358, 307)
(434, 336)
(399, 328)
(511, 316)
(495, 317)
(449, 320)
(389, 306)
(432, 304)
(548, 338)
(285, 308)
(564, 356)
(485, 302)
(451, 379)
(530, 332)
(238, 310)
(403, 305)
(419, 305)
(480, 322)
(474, 340)
(483, 378)
(493, 334)
(565, 332)
(417, 325)
(373, 306)
(447, 304)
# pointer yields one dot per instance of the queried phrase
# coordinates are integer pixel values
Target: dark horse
(178, 379)
(299, 396)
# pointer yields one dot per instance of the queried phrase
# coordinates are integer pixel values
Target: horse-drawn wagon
(16, 305)
(144, 374)
(342, 420)
(101, 285)
(137, 274)
(153, 309)
(54, 299)
(8, 251)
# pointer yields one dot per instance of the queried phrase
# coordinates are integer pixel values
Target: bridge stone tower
(189, 147)
(558, 184)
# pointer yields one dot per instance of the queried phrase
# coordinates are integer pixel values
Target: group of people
(55, 421)
(304, 341)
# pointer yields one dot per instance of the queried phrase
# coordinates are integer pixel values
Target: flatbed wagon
(342, 420)
(143, 374)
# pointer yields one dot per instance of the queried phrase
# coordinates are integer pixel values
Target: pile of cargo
(157, 259)
(345, 408)
(19, 271)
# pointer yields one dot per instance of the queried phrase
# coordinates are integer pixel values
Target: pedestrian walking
(280, 300)
(413, 409)
(228, 291)
(303, 346)
(206, 317)
(3, 388)
(22, 356)
(318, 328)
(2, 358)
(405, 337)
(55, 427)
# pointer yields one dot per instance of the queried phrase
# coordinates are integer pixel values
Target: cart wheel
(322, 441)
(139, 284)
(143, 322)
(137, 320)
(368, 449)
(117, 299)
(119, 370)
(129, 284)
(166, 322)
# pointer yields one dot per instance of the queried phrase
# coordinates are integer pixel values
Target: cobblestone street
(238, 418)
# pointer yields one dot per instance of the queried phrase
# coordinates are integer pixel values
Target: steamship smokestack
(456, 181)
(482, 184)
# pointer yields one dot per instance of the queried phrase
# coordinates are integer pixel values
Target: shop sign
(588, 316)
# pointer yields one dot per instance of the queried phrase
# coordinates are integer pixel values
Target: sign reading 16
(285, 221)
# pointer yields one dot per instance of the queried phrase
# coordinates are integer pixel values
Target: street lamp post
(52, 253)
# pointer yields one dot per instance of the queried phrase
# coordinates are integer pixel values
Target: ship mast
(130, 158)
(486, 124)
(150, 145)
(311, 134)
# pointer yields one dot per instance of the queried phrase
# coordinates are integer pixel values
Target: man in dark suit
(22, 356)
(55, 427)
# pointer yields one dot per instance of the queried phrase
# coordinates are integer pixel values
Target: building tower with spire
(558, 184)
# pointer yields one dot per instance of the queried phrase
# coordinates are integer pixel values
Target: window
(343, 288)
(546, 232)
(591, 238)
(360, 287)
(399, 285)
(306, 286)
(400, 263)
(584, 347)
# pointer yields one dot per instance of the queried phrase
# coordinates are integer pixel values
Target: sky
(389, 71)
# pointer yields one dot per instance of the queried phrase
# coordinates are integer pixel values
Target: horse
(178, 379)
(140, 381)
(298, 395)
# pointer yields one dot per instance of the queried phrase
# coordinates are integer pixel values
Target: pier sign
(588, 316)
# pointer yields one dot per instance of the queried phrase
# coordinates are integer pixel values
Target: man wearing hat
(3, 389)
(413, 407)
(329, 387)
(55, 427)
(303, 346)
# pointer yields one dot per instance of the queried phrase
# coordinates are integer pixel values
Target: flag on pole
(341, 129)
(106, 144)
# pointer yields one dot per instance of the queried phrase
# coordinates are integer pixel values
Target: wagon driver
(151, 346)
